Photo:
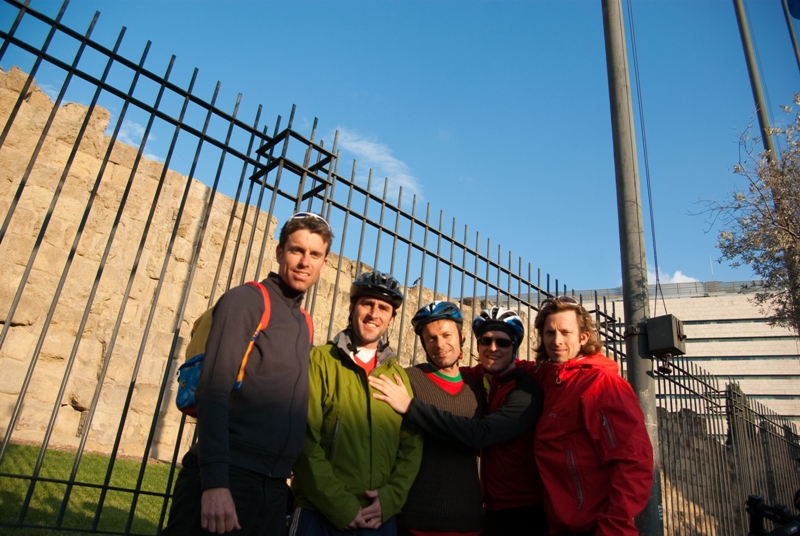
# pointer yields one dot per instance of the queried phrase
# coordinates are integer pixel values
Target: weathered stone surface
(12, 374)
(30, 308)
(67, 423)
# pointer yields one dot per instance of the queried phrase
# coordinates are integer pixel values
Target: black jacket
(261, 426)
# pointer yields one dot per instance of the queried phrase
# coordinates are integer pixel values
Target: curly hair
(585, 325)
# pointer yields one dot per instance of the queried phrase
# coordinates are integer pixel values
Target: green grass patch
(46, 499)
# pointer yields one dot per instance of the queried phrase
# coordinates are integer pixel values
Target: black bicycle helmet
(379, 285)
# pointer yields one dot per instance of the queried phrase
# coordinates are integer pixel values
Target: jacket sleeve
(313, 470)
(616, 424)
(520, 412)
(235, 317)
(406, 464)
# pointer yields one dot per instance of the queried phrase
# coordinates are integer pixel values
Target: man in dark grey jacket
(234, 477)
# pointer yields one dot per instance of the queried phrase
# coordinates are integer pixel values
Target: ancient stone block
(19, 344)
(12, 374)
(31, 306)
(67, 423)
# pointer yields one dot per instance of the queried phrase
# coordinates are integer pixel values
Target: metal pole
(791, 264)
(791, 31)
(755, 80)
(631, 237)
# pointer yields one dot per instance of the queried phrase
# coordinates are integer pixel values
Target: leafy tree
(761, 223)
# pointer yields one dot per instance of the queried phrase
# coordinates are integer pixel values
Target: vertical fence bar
(450, 269)
(363, 224)
(411, 220)
(235, 203)
(24, 93)
(380, 222)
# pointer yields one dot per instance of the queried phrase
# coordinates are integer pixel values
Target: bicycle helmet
(500, 319)
(378, 285)
(436, 310)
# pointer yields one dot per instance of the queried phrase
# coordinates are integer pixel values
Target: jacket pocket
(572, 469)
(334, 435)
(609, 433)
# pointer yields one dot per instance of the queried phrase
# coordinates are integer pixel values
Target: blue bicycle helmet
(379, 285)
(436, 310)
(501, 319)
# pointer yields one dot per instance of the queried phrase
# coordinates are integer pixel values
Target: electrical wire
(640, 103)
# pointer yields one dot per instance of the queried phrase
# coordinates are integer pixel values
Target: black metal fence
(718, 447)
(109, 249)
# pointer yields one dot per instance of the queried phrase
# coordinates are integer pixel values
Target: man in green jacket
(359, 459)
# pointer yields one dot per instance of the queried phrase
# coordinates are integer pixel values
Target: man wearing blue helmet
(446, 496)
(512, 489)
(360, 458)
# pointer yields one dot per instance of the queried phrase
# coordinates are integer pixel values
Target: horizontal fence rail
(130, 203)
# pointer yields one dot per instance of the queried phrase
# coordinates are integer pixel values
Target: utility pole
(755, 80)
(766, 136)
(631, 238)
(789, 24)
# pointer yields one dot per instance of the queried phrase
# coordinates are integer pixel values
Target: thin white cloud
(664, 277)
(131, 133)
(378, 157)
(49, 90)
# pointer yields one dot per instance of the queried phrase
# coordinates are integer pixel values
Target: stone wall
(99, 331)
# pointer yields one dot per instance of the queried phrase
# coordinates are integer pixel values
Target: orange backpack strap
(262, 325)
(310, 325)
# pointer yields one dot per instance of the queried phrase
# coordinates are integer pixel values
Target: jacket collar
(344, 342)
(290, 296)
(563, 371)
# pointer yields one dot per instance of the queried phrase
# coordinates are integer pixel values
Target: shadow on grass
(47, 497)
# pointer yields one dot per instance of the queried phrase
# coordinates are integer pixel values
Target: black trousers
(260, 502)
(522, 521)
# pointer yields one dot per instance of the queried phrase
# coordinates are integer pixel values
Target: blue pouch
(188, 378)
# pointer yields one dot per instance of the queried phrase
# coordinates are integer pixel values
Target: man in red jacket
(591, 445)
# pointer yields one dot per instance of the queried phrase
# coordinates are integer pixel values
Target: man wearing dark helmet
(359, 459)
(446, 496)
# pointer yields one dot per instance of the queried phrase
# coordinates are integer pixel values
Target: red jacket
(508, 475)
(592, 448)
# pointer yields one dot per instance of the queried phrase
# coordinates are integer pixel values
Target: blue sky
(494, 111)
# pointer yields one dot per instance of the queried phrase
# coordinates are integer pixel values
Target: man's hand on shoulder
(217, 511)
(393, 393)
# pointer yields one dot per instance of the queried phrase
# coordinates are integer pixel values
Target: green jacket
(353, 442)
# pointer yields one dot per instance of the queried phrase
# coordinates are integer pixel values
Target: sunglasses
(500, 343)
(317, 217)
(562, 299)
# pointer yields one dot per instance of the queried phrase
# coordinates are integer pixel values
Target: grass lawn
(47, 497)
